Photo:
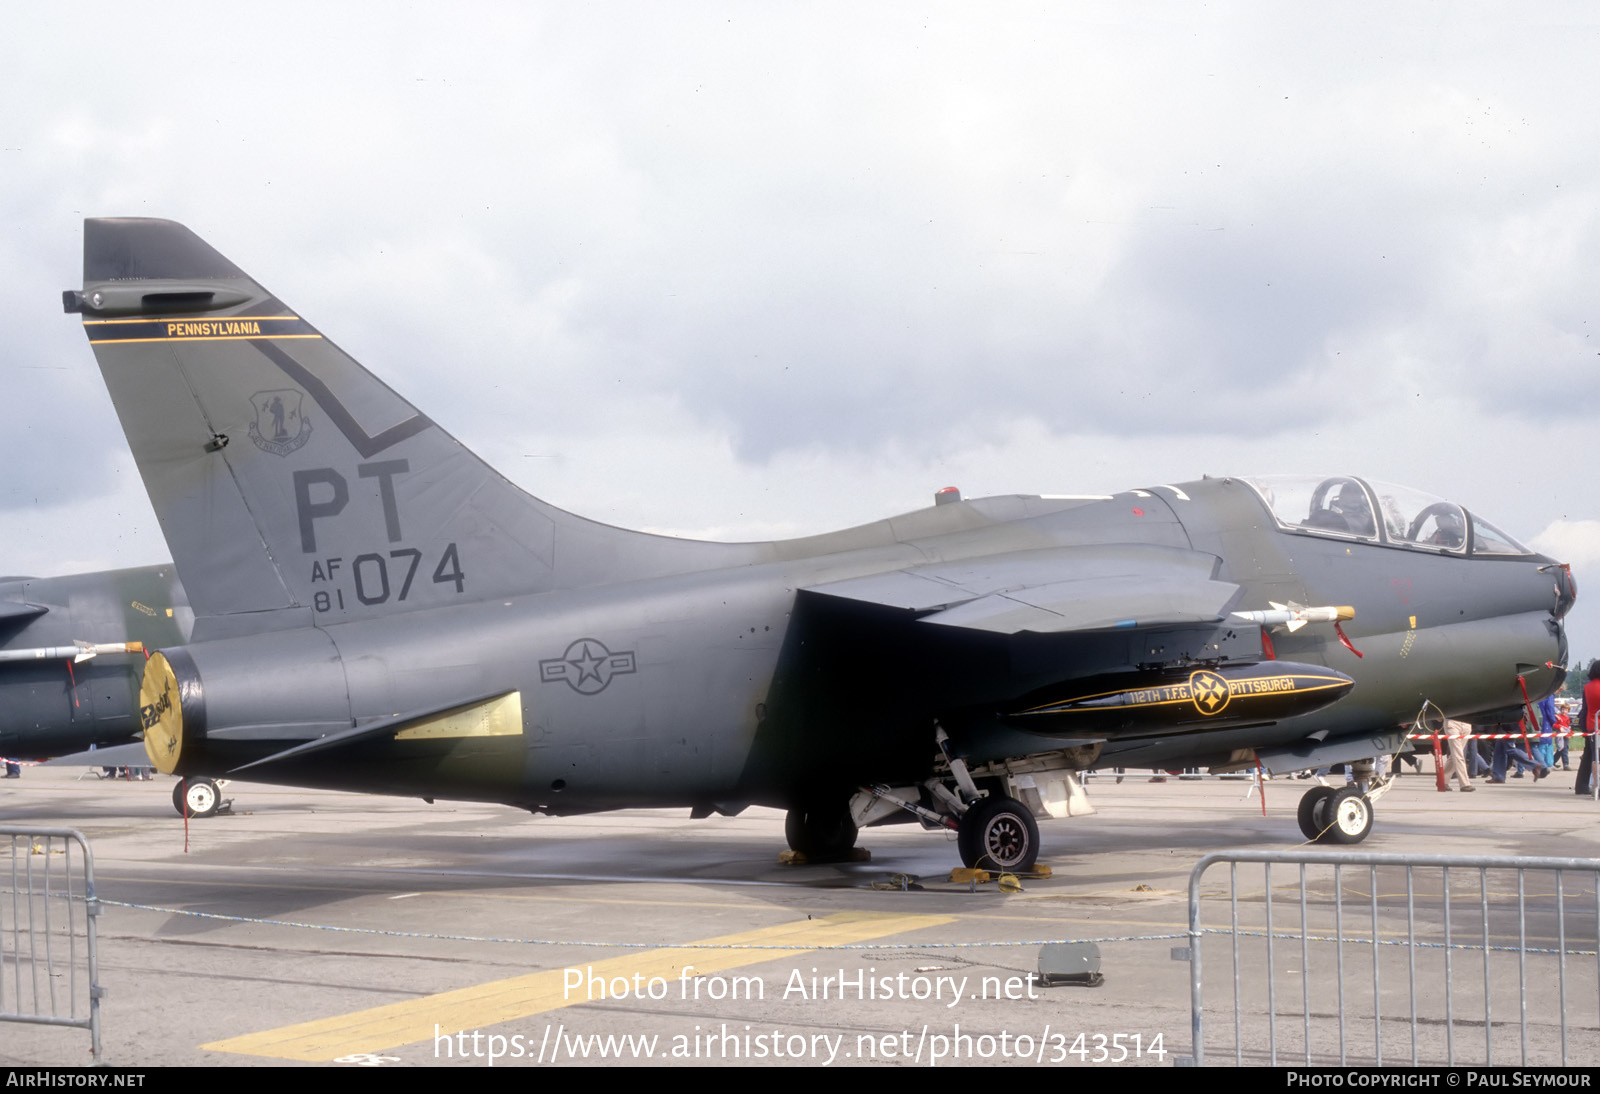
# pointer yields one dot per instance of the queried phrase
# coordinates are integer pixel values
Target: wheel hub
(1006, 841)
(1351, 816)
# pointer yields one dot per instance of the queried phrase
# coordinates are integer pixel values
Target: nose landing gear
(1342, 814)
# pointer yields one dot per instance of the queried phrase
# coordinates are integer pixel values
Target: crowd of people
(1518, 749)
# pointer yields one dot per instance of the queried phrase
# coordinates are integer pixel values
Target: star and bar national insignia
(587, 666)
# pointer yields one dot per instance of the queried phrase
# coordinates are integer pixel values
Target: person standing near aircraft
(1544, 749)
(1456, 734)
(1587, 716)
(1480, 755)
(1506, 749)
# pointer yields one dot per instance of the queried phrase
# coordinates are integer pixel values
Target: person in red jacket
(1587, 719)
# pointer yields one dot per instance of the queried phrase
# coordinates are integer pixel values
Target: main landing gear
(821, 831)
(995, 833)
(998, 833)
(991, 811)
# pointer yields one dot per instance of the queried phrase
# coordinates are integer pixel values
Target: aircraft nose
(1566, 596)
(1566, 589)
(1560, 664)
(1553, 673)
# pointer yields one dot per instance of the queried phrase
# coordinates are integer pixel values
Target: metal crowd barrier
(48, 955)
(1395, 959)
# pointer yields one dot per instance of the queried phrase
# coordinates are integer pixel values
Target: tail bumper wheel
(196, 798)
(998, 833)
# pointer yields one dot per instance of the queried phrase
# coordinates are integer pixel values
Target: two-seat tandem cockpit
(1381, 512)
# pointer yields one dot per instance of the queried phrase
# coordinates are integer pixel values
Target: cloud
(819, 262)
(1572, 541)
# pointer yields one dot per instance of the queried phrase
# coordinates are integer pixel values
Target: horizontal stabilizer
(1055, 590)
(277, 731)
(129, 755)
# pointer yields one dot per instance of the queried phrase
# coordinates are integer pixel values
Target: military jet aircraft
(71, 655)
(378, 610)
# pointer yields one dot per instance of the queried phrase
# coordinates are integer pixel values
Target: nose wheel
(1349, 816)
(1335, 815)
(1313, 812)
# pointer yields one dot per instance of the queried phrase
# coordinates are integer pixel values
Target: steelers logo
(1209, 691)
(161, 714)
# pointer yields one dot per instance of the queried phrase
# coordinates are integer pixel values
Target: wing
(1054, 590)
(1076, 644)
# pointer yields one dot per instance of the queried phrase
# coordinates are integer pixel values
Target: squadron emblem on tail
(280, 425)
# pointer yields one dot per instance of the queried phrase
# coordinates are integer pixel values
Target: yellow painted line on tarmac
(488, 1004)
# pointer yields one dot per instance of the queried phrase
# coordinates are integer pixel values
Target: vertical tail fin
(290, 481)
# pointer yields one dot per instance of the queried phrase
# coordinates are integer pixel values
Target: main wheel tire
(1349, 816)
(1313, 815)
(196, 798)
(998, 833)
(825, 832)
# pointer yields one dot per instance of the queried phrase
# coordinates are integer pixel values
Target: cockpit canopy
(1379, 512)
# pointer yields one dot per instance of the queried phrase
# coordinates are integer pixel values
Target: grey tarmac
(441, 898)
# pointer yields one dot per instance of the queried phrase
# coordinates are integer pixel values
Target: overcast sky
(743, 271)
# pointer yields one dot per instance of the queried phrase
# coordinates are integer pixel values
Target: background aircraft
(72, 653)
(68, 678)
(61, 692)
(376, 609)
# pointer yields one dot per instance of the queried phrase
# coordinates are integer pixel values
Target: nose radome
(1566, 590)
